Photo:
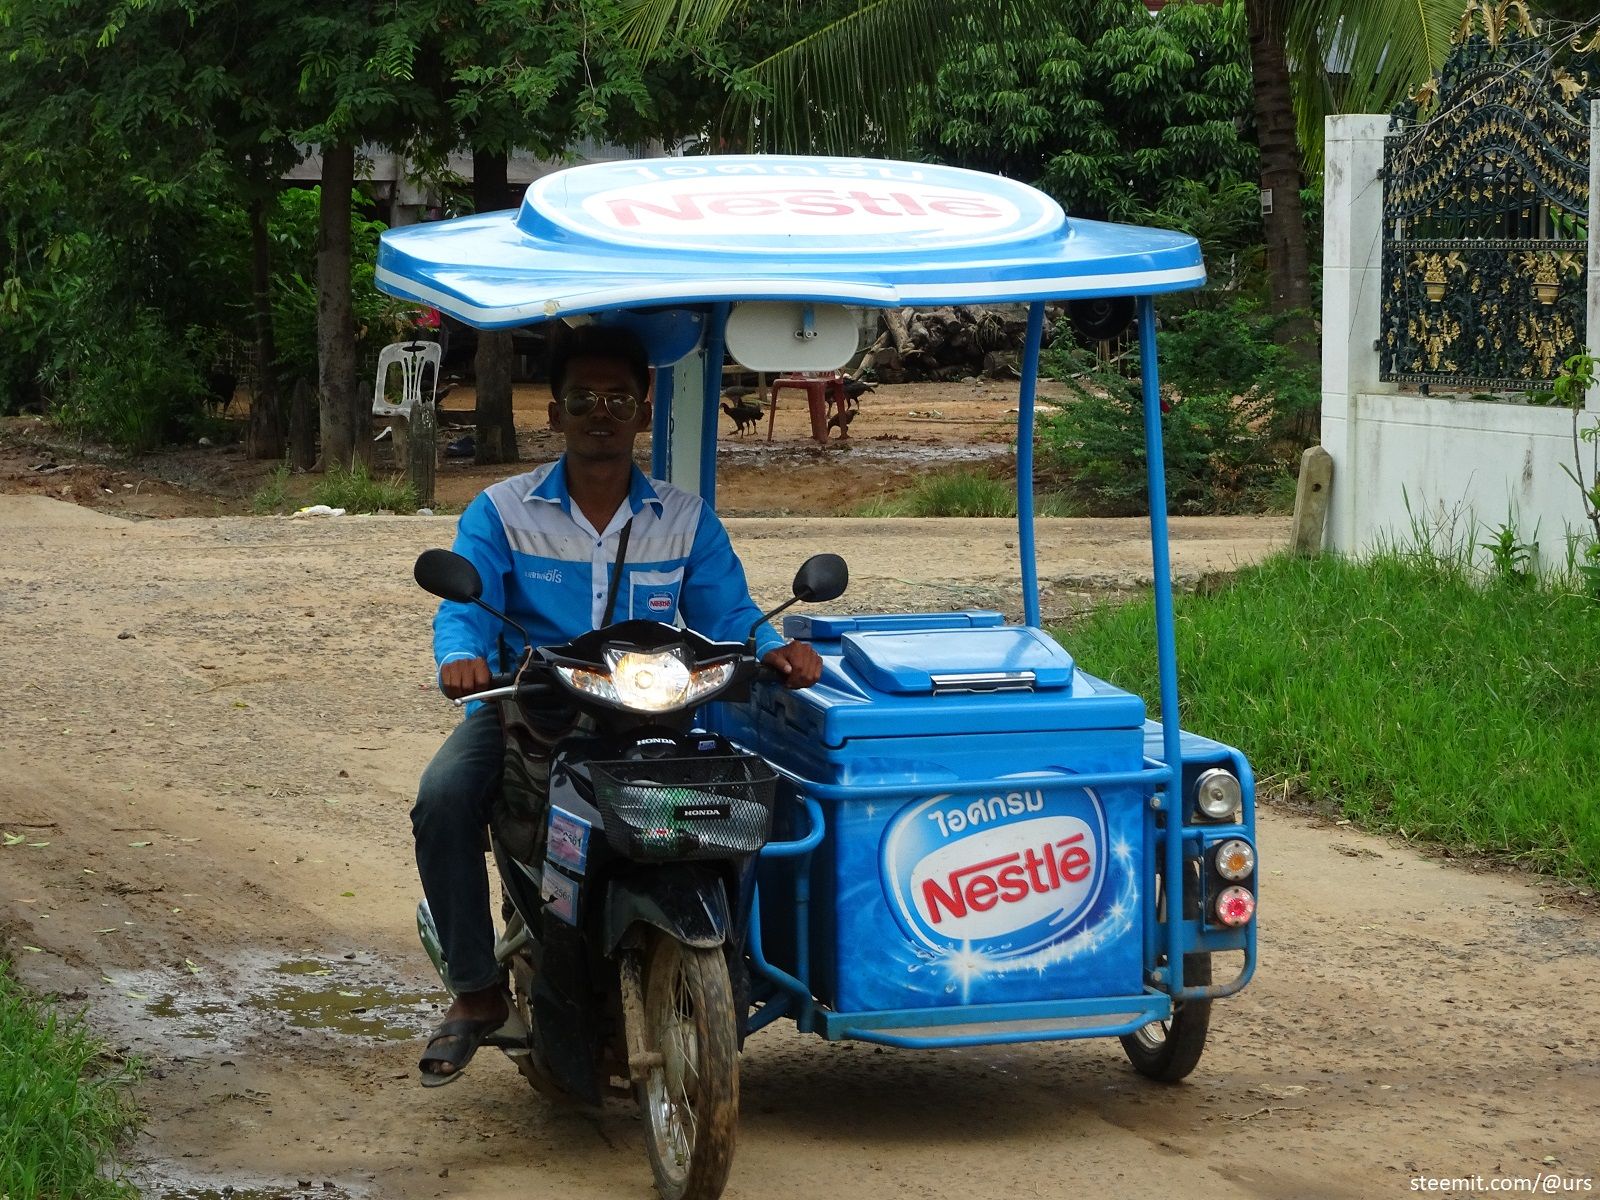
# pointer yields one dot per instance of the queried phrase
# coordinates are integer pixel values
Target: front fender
(685, 902)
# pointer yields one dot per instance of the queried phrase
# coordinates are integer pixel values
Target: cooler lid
(924, 661)
(830, 627)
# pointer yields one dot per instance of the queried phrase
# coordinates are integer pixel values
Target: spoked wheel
(1168, 1050)
(691, 1097)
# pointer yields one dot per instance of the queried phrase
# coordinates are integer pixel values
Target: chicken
(746, 415)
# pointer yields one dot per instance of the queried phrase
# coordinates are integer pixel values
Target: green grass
(1406, 692)
(961, 494)
(356, 490)
(273, 495)
(62, 1111)
(1278, 495)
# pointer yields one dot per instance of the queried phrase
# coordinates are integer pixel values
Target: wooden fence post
(422, 450)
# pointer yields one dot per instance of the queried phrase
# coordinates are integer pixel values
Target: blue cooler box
(1021, 890)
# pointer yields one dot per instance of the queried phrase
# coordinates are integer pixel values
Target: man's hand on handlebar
(798, 664)
(463, 676)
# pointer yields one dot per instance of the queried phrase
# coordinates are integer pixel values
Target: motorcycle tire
(1169, 1050)
(691, 1099)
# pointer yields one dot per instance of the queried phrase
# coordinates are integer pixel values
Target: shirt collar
(553, 489)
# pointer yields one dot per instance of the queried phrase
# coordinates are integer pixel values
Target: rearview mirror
(449, 576)
(821, 578)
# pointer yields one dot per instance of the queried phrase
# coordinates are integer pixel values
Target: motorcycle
(626, 840)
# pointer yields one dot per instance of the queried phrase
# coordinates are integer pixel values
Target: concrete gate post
(1351, 280)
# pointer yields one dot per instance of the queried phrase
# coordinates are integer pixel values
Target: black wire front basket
(710, 806)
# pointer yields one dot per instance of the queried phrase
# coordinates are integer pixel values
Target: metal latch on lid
(984, 681)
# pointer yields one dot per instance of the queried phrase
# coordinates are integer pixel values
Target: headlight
(1217, 794)
(1235, 860)
(647, 681)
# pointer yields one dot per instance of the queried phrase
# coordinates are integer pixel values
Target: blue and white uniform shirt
(545, 566)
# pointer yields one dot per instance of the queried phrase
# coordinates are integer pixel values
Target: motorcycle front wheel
(691, 1097)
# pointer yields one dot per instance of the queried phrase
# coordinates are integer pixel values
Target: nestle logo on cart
(1013, 878)
(1002, 875)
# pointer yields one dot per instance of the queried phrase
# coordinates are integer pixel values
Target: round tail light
(1235, 906)
(1236, 860)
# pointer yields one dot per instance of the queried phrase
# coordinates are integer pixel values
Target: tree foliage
(1110, 111)
(135, 135)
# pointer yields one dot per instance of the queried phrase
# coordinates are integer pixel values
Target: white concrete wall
(1447, 469)
(1452, 471)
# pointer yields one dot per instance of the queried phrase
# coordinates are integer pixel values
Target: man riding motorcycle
(568, 547)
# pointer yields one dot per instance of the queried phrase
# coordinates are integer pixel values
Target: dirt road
(208, 753)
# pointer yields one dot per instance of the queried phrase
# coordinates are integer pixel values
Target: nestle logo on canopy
(664, 206)
(761, 209)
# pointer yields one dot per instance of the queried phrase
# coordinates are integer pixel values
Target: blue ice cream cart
(978, 842)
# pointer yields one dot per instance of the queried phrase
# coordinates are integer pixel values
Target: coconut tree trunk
(1284, 223)
(268, 429)
(1288, 261)
(495, 438)
(346, 424)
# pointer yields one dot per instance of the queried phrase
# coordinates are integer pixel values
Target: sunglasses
(580, 402)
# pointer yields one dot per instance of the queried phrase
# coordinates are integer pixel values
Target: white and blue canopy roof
(682, 231)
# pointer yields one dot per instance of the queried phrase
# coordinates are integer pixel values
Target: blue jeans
(453, 803)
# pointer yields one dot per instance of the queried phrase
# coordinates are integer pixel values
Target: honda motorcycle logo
(1003, 874)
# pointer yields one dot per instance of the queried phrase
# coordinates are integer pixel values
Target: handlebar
(505, 684)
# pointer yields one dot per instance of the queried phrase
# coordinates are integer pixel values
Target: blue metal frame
(1166, 642)
(875, 1026)
(716, 340)
(661, 424)
(1025, 544)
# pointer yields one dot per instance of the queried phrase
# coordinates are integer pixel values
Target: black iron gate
(1485, 205)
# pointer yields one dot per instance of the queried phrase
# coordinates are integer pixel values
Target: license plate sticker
(560, 894)
(568, 843)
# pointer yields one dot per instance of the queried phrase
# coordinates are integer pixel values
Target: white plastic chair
(413, 359)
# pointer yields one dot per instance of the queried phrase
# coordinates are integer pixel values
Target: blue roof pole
(716, 341)
(661, 424)
(1166, 642)
(1030, 382)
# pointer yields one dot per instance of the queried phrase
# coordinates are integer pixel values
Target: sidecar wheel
(1167, 1051)
(691, 1100)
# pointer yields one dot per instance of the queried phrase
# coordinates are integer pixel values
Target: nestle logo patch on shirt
(660, 601)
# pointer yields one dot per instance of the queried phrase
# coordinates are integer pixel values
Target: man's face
(599, 435)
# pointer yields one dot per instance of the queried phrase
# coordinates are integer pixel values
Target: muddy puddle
(194, 1009)
(169, 1182)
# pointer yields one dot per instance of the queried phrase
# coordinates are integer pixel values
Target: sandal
(463, 1036)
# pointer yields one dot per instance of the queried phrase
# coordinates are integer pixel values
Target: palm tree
(1310, 57)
